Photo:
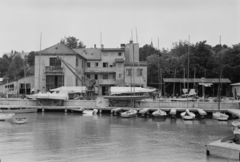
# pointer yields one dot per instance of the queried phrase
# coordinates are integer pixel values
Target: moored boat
(20, 120)
(6, 116)
(159, 113)
(90, 112)
(18, 110)
(220, 116)
(187, 115)
(78, 110)
(128, 114)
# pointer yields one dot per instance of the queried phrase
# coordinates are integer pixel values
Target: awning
(206, 84)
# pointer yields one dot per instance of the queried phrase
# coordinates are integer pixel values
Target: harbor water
(62, 137)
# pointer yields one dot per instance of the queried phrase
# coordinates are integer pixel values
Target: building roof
(59, 49)
(113, 49)
(196, 80)
(89, 53)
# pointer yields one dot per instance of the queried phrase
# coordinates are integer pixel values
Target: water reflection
(75, 137)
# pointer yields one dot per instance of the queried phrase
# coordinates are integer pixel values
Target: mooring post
(65, 110)
(42, 110)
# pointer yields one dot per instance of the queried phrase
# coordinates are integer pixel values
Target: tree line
(204, 61)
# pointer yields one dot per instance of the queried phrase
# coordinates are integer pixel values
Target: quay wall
(17, 102)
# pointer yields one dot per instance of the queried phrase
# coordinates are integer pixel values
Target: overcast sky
(22, 21)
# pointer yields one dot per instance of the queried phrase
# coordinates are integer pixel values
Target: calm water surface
(59, 137)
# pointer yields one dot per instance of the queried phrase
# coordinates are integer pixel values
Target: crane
(91, 83)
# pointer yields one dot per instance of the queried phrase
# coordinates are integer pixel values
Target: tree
(146, 51)
(31, 58)
(15, 67)
(4, 64)
(72, 42)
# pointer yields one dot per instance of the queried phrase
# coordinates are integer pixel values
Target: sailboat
(159, 112)
(187, 115)
(218, 115)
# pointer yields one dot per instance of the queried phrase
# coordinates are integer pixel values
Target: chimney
(131, 41)
(102, 46)
(95, 46)
(122, 45)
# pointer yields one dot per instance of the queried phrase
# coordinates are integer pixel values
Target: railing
(53, 69)
(100, 70)
(107, 81)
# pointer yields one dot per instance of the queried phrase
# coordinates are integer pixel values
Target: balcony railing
(53, 69)
(107, 81)
(100, 70)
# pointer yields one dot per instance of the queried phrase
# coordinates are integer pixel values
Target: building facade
(114, 66)
(54, 68)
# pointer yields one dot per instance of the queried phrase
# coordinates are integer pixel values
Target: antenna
(101, 39)
(136, 36)
(132, 34)
(220, 40)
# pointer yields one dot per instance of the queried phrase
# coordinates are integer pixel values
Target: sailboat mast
(39, 77)
(158, 74)
(188, 63)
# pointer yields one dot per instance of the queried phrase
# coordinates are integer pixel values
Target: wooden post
(42, 110)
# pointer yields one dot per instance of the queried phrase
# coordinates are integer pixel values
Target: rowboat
(5, 116)
(78, 110)
(187, 115)
(130, 113)
(20, 120)
(159, 113)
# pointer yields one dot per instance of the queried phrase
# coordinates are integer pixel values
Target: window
(105, 64)
(139, 72)
(88, 76)
(120, 75)
(96, 76)
(96, 64)
(76, 61)
(88, 64)
(54, 62)
(105, 76)
(129, 72)
(119, 54)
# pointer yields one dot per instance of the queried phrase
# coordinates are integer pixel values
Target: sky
(113, 22)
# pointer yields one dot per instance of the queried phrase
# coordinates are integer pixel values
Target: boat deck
(229, 150)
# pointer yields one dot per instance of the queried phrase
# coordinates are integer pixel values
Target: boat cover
(122, 90)
(71, 89)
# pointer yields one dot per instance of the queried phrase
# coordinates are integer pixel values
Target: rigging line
(39, 81)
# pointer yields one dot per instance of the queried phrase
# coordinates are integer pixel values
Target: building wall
(132, 49)
(69, 78)
(134, 79)
(16, 85)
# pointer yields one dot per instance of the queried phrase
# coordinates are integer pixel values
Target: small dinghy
(20, 120)
(159, 113)
(187, 115)
(90, 112)
(130, 113)
(220, 116)
(78, 110)
(5, 116)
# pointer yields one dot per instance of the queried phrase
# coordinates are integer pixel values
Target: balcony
(107, 81)
(100, 70)
(53, 69)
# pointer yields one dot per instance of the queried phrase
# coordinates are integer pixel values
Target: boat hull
(6, 116)
(129, 114)
(220, 116)
(124, 98)
(18, 110)
(187, 115)
(159, 114)
(20, 120)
